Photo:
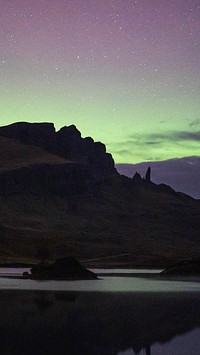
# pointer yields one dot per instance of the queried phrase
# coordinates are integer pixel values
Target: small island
(67, 268)
(184, 268)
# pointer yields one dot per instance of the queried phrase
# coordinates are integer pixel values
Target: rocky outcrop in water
(67, 268)
(190, 267)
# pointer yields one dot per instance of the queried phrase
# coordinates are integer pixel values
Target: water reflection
(74, 323)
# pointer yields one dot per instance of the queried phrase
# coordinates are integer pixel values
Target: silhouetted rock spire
(148, 350)
(148, 174)
(137, 177)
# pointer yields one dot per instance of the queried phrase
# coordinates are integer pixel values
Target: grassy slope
(98, 230)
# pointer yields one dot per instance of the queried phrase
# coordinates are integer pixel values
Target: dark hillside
(51, 207)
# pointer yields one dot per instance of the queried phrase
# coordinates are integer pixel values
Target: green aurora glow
(137, 92)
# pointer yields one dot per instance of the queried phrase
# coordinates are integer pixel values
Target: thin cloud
(122, 151)
(153, 142)
(173, 136)
(156, 146)
(195, 123)
(187, 136)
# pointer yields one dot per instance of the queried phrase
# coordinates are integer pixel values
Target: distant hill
(66, 198)
(182, 174)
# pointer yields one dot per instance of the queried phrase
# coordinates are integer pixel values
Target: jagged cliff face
(70, 144)
(30, 170)
(67, 143)
(38, 134)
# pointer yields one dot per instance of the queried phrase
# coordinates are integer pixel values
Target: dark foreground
(92, 323)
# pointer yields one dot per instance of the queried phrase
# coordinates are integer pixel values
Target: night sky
(125, 72)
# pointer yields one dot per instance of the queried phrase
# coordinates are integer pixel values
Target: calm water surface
(123, 313)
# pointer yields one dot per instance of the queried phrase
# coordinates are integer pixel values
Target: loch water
(125, 312)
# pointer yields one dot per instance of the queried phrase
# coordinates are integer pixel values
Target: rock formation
(148, 174)
(67, 268)
(67, 143)
(38, 134)
(190, 267)
(137, 177)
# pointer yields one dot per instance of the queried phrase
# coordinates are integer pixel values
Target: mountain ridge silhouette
(68, 198)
